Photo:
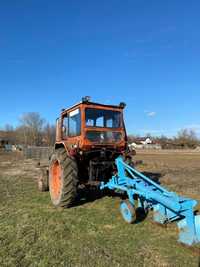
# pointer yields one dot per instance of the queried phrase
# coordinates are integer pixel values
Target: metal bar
(119, 160)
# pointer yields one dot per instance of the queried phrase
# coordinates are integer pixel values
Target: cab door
(71, 132)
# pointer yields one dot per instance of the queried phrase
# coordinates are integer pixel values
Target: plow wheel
(43, 180)
(128, 211)
(63, 179)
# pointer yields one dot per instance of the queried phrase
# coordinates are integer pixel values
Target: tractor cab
(88, 126)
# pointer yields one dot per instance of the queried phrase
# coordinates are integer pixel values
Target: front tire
(63, 179)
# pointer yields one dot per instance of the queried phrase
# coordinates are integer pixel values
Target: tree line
(32, 130)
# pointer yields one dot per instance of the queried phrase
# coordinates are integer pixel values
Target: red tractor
(89, 137)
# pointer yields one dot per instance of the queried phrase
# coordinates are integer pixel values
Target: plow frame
(167, 206)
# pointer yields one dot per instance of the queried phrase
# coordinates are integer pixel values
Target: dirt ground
(178, 171)
(34, 233)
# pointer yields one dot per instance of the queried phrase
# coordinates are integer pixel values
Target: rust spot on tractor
(56, 179)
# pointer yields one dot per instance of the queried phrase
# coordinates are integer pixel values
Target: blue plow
(145, 194)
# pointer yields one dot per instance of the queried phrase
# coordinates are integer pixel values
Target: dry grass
(34, 233)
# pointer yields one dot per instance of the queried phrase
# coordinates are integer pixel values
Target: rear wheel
(63, 179)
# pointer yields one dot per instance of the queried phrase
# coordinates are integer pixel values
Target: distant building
(3, 139)
(3, 142)
(144, 143)
(6, 141)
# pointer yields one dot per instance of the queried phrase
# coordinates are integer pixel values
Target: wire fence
(34, 152)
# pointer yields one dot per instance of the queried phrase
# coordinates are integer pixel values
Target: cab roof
(88, 103)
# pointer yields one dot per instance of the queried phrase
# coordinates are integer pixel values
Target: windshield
(102, 118)
(103, 137)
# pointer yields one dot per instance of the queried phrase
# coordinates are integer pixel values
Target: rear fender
(62, 145)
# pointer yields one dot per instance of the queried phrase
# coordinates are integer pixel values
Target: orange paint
(56, 179)
(81, 141)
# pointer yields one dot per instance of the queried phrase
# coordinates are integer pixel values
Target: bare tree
(49, 134)
(187, 134)
(8, 128)
(187, 138)
(31, 125)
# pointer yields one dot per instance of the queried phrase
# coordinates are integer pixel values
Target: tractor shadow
(140, 215)
(92, 193)
(154, 176)
(89, 194)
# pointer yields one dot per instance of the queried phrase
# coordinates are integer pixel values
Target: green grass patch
(34, 233)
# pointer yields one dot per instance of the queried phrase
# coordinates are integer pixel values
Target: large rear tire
(63, 179)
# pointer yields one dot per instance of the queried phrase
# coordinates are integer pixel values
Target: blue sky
(145, 53)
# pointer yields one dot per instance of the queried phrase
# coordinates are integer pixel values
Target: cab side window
(74, 122)
(65, 126)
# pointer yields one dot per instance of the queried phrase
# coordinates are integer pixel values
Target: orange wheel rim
(56, 179)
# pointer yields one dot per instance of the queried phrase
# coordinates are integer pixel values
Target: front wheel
(63, 179)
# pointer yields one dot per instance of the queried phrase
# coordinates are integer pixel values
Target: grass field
(34, 233)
